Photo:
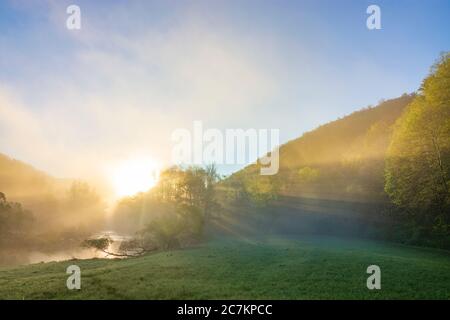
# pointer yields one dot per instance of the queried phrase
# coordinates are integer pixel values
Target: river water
(29, 257)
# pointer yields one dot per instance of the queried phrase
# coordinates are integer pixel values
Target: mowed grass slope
(271, 268)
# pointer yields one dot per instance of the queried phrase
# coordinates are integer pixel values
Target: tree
(211, 179)
(131, 248)
(261, 189)
(166, 231)
(15, 222)
(174, 213)
(417, 174)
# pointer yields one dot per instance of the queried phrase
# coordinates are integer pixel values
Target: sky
(74, 102)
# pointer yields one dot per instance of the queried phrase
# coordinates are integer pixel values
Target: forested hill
(34, 189)
(343, 159)
(19, 180)
(361, 134)
(395, 155)
(44, 212)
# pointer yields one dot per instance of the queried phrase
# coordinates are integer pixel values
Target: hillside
(25, 184)
(342, 160)
(395, 158)
(41, 213)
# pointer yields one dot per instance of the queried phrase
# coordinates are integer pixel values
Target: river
(35, 256)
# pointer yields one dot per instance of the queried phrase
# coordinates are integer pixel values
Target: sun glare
(133, 176)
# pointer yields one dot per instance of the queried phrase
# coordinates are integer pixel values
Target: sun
(133, 176)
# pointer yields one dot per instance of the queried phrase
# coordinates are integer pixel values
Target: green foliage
(260, 189)
(175, 211)
(418, 161)
(166, 231)
(193, 219)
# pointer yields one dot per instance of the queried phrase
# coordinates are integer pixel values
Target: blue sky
(71, 101)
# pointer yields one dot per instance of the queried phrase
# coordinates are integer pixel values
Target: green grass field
(274, 268)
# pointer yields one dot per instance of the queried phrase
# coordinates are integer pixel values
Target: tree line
(172, 214)
(417, 173)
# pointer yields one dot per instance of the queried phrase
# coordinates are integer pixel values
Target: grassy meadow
(257, 268)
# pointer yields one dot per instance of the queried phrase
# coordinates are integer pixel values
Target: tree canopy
(418, 161)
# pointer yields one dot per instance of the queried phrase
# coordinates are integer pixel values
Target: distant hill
(343, 159)
(35, 190)
(57, 205)
(20, 181)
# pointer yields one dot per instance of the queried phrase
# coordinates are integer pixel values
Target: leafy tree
(261, 189)
(418, 161)
(167, 231)
(175, 212)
